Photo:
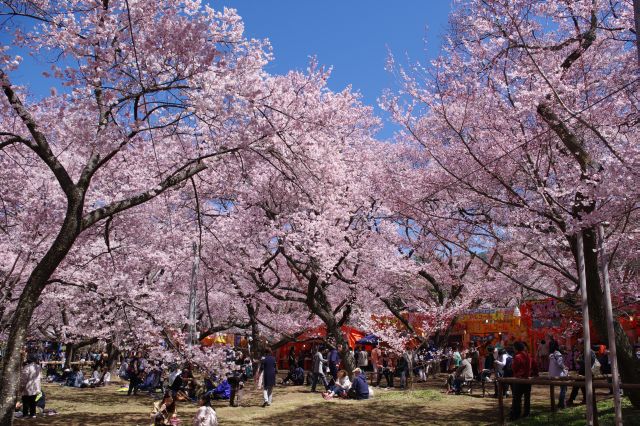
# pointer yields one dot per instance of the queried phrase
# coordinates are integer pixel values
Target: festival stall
(308, 340)
(491, 327)
(232, 339)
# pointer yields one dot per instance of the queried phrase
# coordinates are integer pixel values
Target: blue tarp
(368, 340)
(223, 391)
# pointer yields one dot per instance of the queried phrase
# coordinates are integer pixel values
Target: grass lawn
(575, 416)
(295, 405)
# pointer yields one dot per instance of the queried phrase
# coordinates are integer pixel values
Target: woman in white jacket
(558, 369)
(205, 416)
(30, 386)
(342, 386)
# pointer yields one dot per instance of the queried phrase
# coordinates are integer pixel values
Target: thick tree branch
(41, 146)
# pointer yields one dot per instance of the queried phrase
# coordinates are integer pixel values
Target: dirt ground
(292, 405)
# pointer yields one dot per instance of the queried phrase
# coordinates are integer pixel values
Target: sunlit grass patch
(423, 394)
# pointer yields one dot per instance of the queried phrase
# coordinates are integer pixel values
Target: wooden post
(604, 267)
(500, 404)
(588, 384)
(552, 393)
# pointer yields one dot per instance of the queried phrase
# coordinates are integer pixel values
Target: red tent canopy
(305, 341)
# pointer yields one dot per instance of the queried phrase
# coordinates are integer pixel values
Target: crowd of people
(173, 383)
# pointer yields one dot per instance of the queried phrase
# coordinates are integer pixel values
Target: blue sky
(352, 36)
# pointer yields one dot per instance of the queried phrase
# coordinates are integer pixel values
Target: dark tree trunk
(27, 303)
(69, 353)
(255, 331)
(348, 360)
(113, 353)
(629, 366)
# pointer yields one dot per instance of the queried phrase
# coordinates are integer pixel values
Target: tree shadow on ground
(374, 413)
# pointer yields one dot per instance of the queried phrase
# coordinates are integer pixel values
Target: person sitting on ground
(296, 377)
(463, 374)
(205, 416)
(164, 410)
(359, 388)
(96, 376)
(341, 386)
(75, 378)
(105, 379)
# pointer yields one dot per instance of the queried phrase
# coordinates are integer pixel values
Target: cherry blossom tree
(303, 239)
(146, 97)
(528, 124)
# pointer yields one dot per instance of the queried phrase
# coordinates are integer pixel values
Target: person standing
(558, 369)
(318, 371)
(542, 354)
(292, 359)
(582, 363)
(334, 360)
(488, 364)
(133, 370)
(522, 364)
(388, 368)
(475, 360)
(30, 386)
(376, 361)
(363, 359)
(269, 371)
(457, 357)
(404, 367)
(503, 362)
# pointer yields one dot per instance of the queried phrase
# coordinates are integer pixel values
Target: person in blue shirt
(359, 387)
(334, 360)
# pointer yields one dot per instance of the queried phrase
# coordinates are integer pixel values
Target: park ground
(295, 405)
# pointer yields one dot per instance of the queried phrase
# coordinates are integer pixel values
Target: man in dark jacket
(334, 359)
(269, 371)
(582, 363)
(359, 387)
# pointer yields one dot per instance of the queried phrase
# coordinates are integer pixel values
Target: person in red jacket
(522, 369)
